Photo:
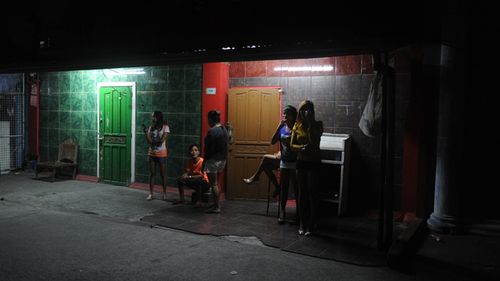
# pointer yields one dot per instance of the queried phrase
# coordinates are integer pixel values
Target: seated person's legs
(198, 184)
(181, 182)
(268, 163)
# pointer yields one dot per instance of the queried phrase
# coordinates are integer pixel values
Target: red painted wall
(215, 75)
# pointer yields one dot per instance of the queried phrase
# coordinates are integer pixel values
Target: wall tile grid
(11, 99)
(68, 100)
(339, 96)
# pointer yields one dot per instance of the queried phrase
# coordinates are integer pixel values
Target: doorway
(116, 133)
(254, 114)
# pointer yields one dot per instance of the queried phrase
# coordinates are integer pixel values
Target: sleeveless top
(287, 155)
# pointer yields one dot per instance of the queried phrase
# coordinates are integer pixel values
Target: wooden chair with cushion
(67, 158)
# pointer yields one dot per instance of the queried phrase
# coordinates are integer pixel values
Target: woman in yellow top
(306, 136)
(156, 135)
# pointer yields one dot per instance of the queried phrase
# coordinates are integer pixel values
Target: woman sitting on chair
(268, 164)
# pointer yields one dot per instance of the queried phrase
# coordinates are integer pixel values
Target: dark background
(86, 35)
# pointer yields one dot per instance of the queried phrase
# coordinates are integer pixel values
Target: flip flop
(213, 211)
(281, 220)
(249, 181)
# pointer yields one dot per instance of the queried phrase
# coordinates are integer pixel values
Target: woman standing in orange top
(156, 135)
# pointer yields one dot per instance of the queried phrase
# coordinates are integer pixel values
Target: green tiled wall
(69, 109)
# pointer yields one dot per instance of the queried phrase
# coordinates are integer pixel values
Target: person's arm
(148, 135)
(294, 145)
(195, 176)
(209, 146)
(315, 135)
(195, 173)
(276, 135)
(203, 166)
(163, 137)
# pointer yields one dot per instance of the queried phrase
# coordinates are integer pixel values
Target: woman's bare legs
(268, 164)
(285, 183)
(212, 179)
(287, 175)
(152, 171)
(303, 200)
(163, 180)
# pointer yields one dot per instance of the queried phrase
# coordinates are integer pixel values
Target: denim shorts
(214, 166)
(288, 165)
(159, 160)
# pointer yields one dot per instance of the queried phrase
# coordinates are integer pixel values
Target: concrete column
(447, 182)
(448, 179)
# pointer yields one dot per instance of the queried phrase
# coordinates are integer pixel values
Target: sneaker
(150, 197)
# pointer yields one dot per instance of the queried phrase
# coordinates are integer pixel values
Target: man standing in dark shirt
(216, 150)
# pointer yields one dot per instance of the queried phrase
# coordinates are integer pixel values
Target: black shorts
(159, 160)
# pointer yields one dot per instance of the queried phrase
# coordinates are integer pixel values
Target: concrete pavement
(75, 230)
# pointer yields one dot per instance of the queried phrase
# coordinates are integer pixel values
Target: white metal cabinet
(336, 150)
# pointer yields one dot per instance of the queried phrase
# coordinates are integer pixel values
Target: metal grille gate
(12, 125)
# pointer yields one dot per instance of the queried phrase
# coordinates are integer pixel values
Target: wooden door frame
(132, 148)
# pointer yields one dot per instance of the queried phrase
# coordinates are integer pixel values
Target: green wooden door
(115, 111)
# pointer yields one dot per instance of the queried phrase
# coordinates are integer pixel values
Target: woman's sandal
(213, 211)
(250, 181)
(281, 220)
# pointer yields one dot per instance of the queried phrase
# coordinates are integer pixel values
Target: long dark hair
(289, 109)
(159, 119)
(306, 105)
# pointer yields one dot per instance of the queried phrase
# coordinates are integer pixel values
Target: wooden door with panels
(254, 114)
(115, 119)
